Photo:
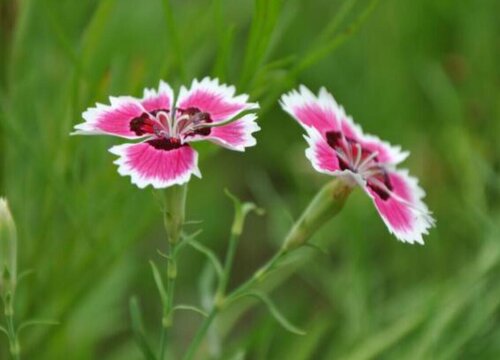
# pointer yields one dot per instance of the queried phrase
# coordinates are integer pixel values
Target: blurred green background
(424, 74)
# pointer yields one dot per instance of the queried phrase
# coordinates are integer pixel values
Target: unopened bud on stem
(326, 204)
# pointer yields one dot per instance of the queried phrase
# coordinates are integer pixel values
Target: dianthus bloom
(206, 111)
(338, 147)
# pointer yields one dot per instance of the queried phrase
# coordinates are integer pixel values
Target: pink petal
(218, 100)
(387, 153)
(156, 100)
(148, 165)
(236, 135)
(320, 112)
(111, 119)
(404, 212)
(324, 159)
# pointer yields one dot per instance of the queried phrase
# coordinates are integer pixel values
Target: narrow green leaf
(314, 55)
(193, 222)
(224, 37)
(61, 35)
(138, 329)
(35, 322)
(373, 347)
(333, 25)
(279, 63)
(239, 355)
(241, 211)
(4, 330)
(190, 308)
(159, 282)
(24, 274)
(185, 240)
(162, 254)
(210, 255)
(206, 285)
(266, 13)
(93, 33)
(274, 312)
(317, 248)
(173, 37)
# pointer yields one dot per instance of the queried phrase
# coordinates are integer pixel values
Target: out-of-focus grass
(422, 74)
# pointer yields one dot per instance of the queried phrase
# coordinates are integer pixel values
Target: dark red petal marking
(142, 125)
(154, 112)
(165, 144)
(383, 177)
(334, 139)
(188, 111)
(197, 117)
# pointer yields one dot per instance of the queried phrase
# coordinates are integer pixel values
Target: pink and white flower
(206, 111)
(338, 147)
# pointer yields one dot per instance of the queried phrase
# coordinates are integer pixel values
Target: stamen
(366, 161)
(343, 157)
(376, 170)
(358, 155)
(349, 150)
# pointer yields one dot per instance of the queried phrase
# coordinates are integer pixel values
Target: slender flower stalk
(327, 203)
(174, 216)
(241, 211)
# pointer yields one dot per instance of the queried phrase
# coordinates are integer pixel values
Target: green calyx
(326, 204)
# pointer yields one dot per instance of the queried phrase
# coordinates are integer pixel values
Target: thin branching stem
(174, 220)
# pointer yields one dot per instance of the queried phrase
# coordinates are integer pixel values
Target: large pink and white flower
(338, 147)
(206, 111)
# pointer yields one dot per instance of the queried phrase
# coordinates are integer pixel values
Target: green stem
(14, 347)
(167, 320)
(175, 209)
(175, 205)
(228, 264)
(200, 334)
(221, 301)
(257, 277)
(241, 211)
(326, 204)
(13, 341)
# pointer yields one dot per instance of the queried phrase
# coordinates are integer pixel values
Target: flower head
(338, 147)
(206, 111)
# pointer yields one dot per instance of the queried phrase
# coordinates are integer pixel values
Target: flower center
(169, 131)
(352, 156)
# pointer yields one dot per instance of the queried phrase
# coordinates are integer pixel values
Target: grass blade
(191, 308)
(278, 316)
(138, 329)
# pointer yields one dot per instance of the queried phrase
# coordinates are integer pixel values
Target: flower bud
(8, 250)
(326, 204)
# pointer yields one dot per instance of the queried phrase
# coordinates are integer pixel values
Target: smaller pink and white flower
(338, 147)
(206, 111)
